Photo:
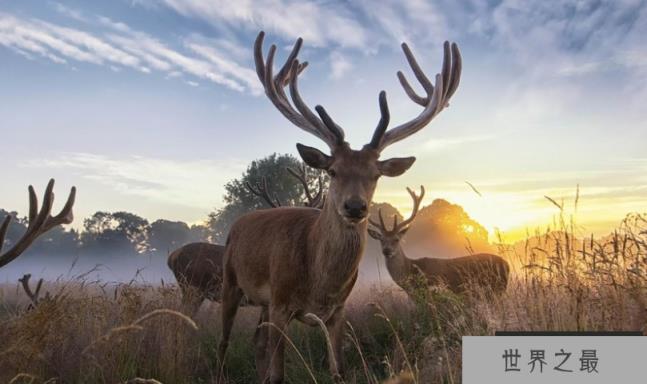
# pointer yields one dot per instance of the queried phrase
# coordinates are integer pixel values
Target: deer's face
(390, 242)
(353, 177)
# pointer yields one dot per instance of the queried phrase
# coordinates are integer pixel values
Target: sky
(152, 106)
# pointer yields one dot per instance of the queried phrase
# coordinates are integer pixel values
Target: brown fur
(290, 239)
(295, 261)
(198, 270)
(483, 270)
(320, 252)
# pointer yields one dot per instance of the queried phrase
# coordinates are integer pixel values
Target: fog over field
(149, 269)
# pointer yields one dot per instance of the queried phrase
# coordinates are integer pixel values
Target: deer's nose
(355, 208)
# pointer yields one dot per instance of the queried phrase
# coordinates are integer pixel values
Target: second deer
(459, 274)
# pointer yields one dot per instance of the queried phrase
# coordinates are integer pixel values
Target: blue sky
(151, 106)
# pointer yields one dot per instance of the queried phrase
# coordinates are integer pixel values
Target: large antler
(39, 222)
(323, 126)
(261, 190)
(397, 227)
(315, 201)
(436, 98)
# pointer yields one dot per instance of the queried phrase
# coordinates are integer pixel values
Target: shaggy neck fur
(337, 252)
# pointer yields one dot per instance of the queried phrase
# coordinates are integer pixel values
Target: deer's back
(199, 265)
(263, 245)
(483, 269)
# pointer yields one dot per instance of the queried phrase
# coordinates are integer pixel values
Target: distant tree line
(126, 234)
(441, 227)
(111, 233)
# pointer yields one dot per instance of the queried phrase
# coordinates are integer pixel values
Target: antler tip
(50, 186)
(258, 43)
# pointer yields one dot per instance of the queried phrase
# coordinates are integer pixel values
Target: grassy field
(89, 333)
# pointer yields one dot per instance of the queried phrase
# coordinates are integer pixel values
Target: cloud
(164, 58)
(444, 143)
(394, 21)
(568, 37)
(227, 66)
(69, 12)
(565, 38)
(162, 180)
(120, 47)
(339, 65)
(318, 23)
(37, 37)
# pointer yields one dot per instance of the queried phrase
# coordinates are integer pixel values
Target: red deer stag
(298, 261)
(39, 222)
(484, 270)
(198, 266)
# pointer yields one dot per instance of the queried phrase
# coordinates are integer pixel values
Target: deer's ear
(395, 166)
(314, 157)
(374, 234)
(403, 231)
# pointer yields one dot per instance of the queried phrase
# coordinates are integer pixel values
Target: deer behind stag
(300, 262)
(459, 274)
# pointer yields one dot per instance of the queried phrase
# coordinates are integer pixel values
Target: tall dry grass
(87, 333)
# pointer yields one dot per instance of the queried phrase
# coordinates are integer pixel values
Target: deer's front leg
(335, 326)
(279, 317)
(260, 341)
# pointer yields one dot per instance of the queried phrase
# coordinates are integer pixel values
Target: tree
(239, 200)
(119, 232)
(134, 227)
(55, 241)
(164, 236)
(17, 227)
(443, 229)
(199, 232)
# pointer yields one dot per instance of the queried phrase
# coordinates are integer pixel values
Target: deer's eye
(332, 173)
